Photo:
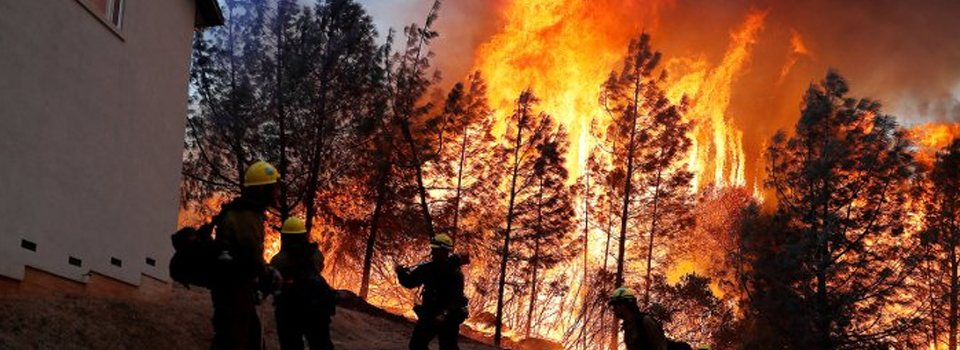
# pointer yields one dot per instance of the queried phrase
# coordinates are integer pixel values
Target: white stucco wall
(91, 135)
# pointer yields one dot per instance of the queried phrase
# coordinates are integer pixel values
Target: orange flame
(564, 49)
(798, 48)
(717, 155)
(931, 138)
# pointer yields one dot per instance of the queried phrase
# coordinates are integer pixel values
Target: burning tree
(540, 210)
(648, 141)
(692, 313)
(545, 218)
(838, 260)
(409, 83)
(404, 145)
(942, 235)
(464, 179)
(463, 182)
(594, 209)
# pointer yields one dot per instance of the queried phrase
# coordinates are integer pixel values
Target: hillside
(180, 321)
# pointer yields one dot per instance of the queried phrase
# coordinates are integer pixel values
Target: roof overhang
(208, 14)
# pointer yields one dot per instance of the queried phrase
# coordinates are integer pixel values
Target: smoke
(904, 54)
(463, 25)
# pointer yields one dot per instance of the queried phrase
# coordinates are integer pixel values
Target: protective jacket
(443, 304)
(305, 303)
(240, 239)
(301, 263)
(442, 288)
(643, 333)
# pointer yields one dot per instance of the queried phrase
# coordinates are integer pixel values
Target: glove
(400, 269)
(270, 280)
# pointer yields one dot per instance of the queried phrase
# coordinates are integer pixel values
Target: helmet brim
(260, 183)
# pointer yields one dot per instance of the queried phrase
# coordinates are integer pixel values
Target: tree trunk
(627, 189)
(932, 300)
(383, 179)
(310, 196)
(282, 123)
(240, 160)
(418, 170)
(823, 248)
(533, 289)
(606, 256)
(456, 199)
(404, 116)
(954, 287)
(534, 261)
(653, 232)
(585, 292)
(498, 325)
(628, 185)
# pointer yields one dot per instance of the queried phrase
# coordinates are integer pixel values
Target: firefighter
(640, 330)
(306, 303)
(444, 305)
(240, 265)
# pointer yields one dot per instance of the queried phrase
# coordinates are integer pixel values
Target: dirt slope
(181, 321)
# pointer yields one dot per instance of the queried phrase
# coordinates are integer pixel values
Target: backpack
(195, 255)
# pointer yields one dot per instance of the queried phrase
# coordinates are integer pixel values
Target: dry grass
(179, 321)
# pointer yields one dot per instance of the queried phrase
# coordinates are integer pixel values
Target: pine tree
(462, 176)
(650, 138)
(842, 258)
(222, 125)
(409, 85)
(338, 53)
(942, 233)
(401, 143)
(533, 149)
(545, 216)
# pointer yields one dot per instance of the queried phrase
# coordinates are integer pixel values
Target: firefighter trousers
(447, 334)
(296, 322)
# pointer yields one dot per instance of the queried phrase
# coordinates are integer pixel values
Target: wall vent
(25, 244)
(75, 261)
(116, 262)
(151, 261)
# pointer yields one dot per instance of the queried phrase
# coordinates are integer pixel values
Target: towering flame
(565, 49)
(717, 154)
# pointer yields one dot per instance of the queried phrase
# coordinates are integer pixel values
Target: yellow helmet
(293, 224)
(623, 294)
(260, 173)
(704, 347)
(441, 241)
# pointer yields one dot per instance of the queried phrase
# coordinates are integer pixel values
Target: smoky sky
(463, 26)
(904, 54)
